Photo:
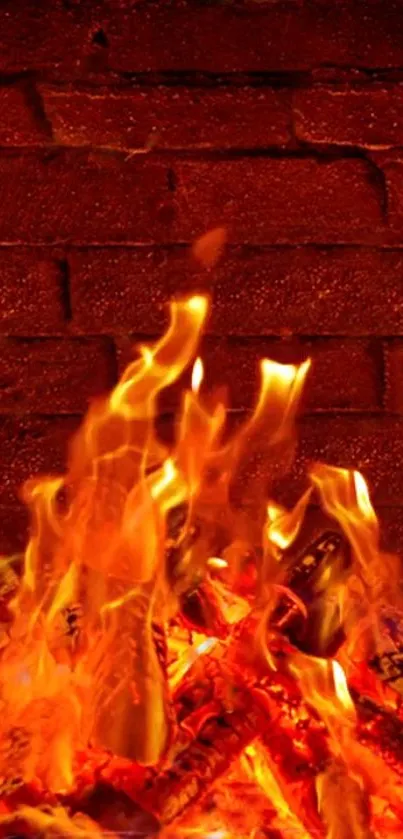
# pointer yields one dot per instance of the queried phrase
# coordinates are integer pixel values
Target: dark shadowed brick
(116, 290)
(274, 201)
(373, 445)
(391, 164)
(18, 126)
(52, 375)
(51, 37)
(30, 292)
(393, 354)
(371, 117)
(74, 195)
(345, 374)
(253, 36)
(13, 529)
(391, 522)
(31, 446)
(309, 291)
(170, 117)
(63, 40)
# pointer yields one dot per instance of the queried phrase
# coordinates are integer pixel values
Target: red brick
(307, 291)
(170, 117)
(52, 375)
(57, 37)
(391, 163)
(279, 200)
(391, 522)
(30, 292)
(18, 126)
(13, 529)
(253, 36)
(393, 355)
(116, 290)
(52, 38)
(373, 445)
(345, 374)
(371, 117)
(31, 446)
(56, 196)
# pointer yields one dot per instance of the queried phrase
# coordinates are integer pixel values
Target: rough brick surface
(54, 37)
(391, 522)
(114, 290)
(373, 445)
(392, 167)
(58, 196)
(371, 117)
(170, 118)
(393, 354)
(309, 291)
(52, 375)
(18, 125)
(253, 36)
(267, 201)
(345, 374)
(31, 299)
(31, 446)
(13, 529)
(59, 38)
(83, 197)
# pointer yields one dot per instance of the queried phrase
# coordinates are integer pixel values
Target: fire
(174, 633)
(197, 375)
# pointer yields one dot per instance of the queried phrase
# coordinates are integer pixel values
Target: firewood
(218, 744)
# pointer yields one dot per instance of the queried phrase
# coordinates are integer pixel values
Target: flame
(257, 766)
(283, 526)
(147, 560)
(217, 562)
(341, 687)
(197, 375)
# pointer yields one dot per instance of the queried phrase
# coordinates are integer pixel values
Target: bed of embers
(181, 656)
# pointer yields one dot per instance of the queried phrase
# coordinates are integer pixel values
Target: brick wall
(129, 128)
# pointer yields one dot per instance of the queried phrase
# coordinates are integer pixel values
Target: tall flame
(147, 558)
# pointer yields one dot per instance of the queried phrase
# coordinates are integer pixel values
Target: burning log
(133, 713)
(220, 741)
(271, 709)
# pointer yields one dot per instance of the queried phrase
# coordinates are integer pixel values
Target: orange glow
(217, 562)
(283, 525)
(167, 603)
(197, 375)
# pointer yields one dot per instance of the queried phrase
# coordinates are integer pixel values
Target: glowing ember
(181, 655)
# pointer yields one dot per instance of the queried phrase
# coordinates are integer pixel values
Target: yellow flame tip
(198, 304)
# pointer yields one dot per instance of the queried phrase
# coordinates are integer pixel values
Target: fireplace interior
(201, 419)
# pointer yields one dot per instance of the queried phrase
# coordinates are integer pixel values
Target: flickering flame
(284, 525)
(341, 687)
(217, 562)
(197, 375)
(149, 564)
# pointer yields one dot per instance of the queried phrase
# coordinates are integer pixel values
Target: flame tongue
(141, 540)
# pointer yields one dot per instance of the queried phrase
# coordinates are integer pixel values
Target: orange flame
(126, 541)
